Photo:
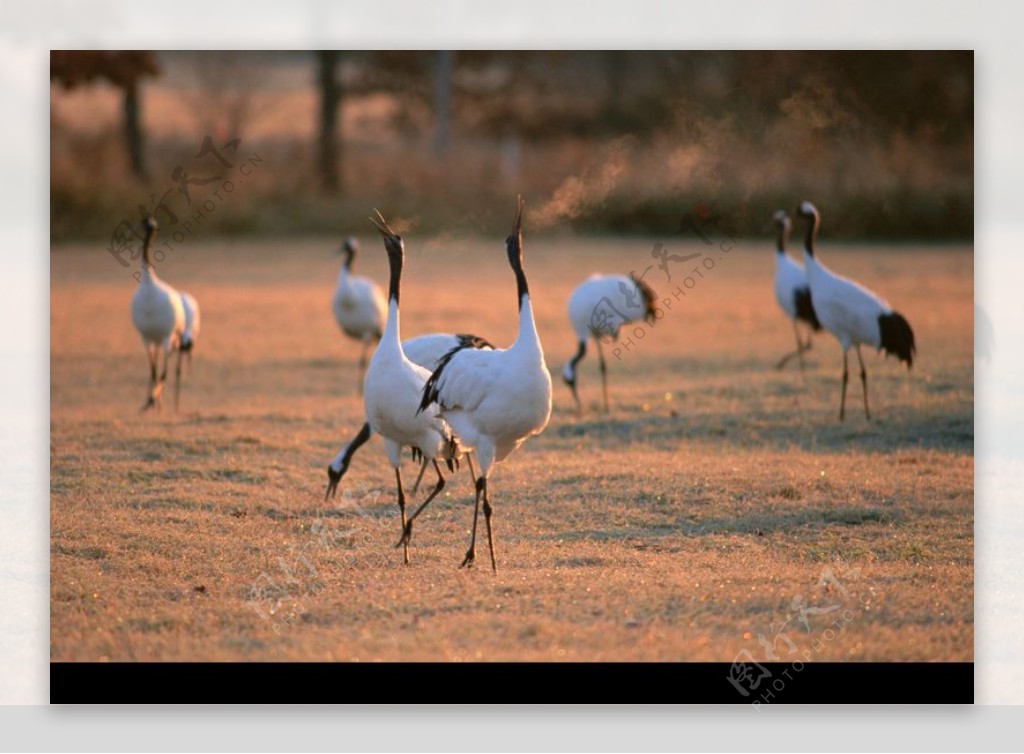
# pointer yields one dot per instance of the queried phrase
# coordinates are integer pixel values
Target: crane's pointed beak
(517, 228)
(380, 223)
(333, 477)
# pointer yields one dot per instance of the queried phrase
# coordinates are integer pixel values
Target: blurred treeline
(627, 142)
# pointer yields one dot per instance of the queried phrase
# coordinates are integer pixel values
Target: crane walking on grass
(158, 315)
(852, 313)
(426, 351)
(359, 305)
(494, 399)
(792, 291)
(391, 395)
(598, 308)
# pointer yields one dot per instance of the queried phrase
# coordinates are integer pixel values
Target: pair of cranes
(820, 298)
(444, 403)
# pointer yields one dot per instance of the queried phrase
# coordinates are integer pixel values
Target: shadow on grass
(775, 430)
(755, 523)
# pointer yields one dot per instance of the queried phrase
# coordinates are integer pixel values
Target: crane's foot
(467, 562)
(406, 536)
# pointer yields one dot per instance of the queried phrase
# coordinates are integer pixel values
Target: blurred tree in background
(618, 141)
(124, 69)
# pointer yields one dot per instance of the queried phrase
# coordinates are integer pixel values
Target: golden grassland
(679, 526)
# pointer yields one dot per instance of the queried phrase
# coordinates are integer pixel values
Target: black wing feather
(805, 308)
(430, 388)
(897, 337)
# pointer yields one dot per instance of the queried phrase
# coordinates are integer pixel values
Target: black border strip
(766, 684)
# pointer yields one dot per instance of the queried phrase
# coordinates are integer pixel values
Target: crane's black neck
(780, 239)
(514, 245)
(350, 258)
(147, 246)
(395, 258)
(812, 232)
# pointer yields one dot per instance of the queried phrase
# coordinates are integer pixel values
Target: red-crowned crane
(359, 305)
(598, 308)
(158, 315)
(852, 313)
(391, 394)
(495, 399)
(792, 291)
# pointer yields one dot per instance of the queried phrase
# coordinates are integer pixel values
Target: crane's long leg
(151, 354)
(158, 393)
(471, 552)
(487, 519)
(846, 378)
(800, 348)
(419, 477)
(401, 508)
(604, 375)
(177, 381)
(407, 530)
(362, 367)
(864, 383)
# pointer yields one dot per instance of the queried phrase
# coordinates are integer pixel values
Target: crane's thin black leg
(799, 347)
(407, 530)
(158, 391)
(864, 383)
(152, 355)
(487, 519)
(842, 395)
(419, 477)
(362, 369)
(471, 552)
(401, 508)
(177, 381)
(604, 373)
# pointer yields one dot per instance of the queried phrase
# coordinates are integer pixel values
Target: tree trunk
(330, 98)
(133, 131)
(442, 101)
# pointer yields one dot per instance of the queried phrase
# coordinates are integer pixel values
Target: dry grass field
(702, 511)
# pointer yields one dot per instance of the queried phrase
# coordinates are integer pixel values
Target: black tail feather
(649, 296)
(805, 308)
(430, 388)
(897, 337)
(473, 341)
